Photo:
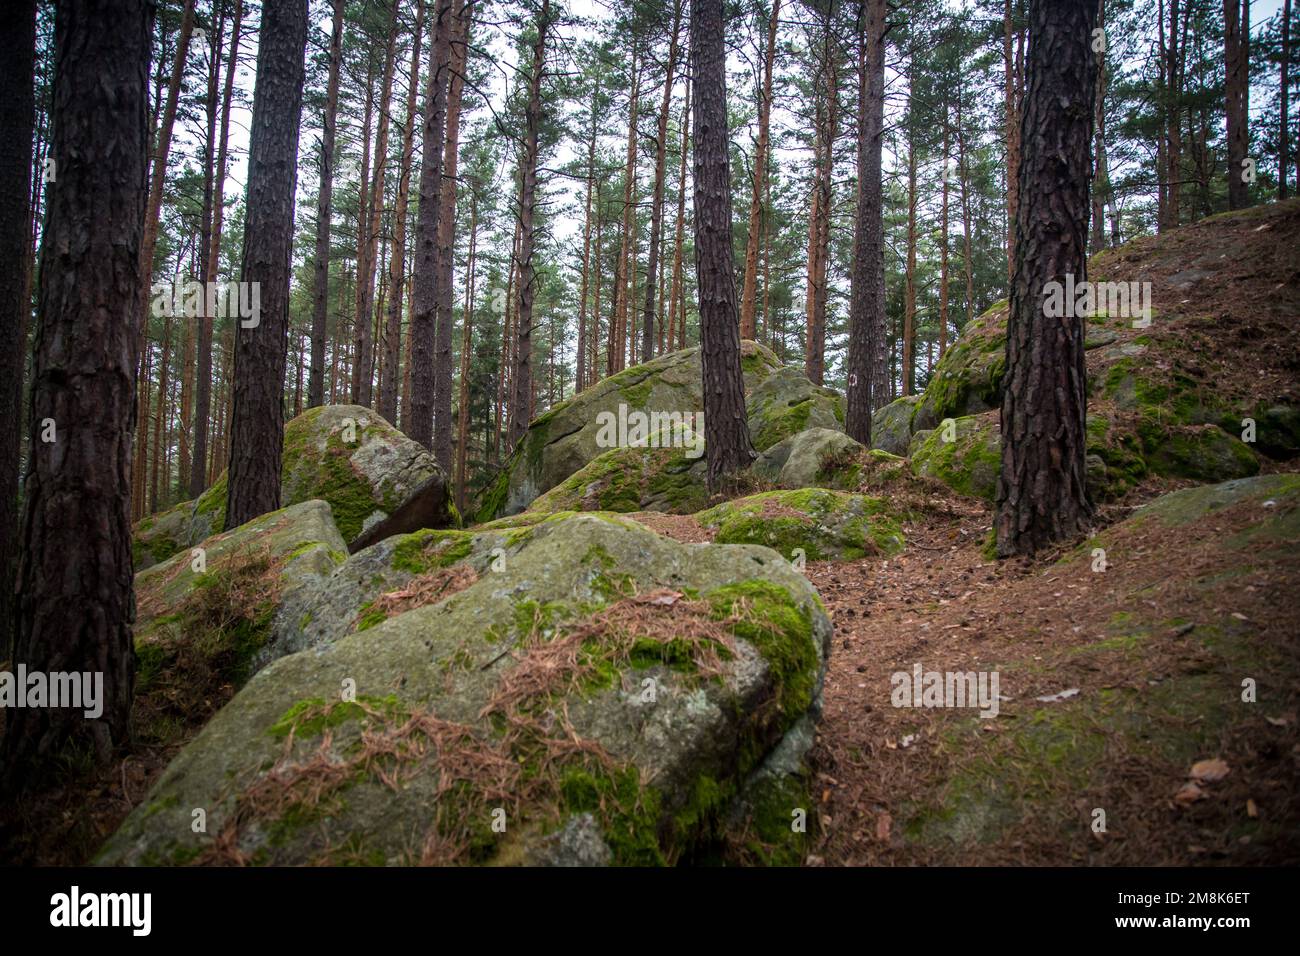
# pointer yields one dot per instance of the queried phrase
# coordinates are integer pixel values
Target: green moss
(213, 502)
(969, 464)
(312, 716)
(770, 838)
(629, 813)
(428, 550)
(638, 394)
(781, 630)
(493, 499)
(368, 616)
(832, 525)
(780, 423)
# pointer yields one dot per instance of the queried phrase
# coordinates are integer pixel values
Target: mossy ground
(823, 523)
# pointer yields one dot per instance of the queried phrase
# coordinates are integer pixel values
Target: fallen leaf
(1208, 771)
(1252, 810)
(1189, 793)
(882, 827)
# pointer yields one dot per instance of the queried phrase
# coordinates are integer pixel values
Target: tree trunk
(657, 209)
(360, 293)
(909, 279)
(256, 415)
(200, 473)
(17, 119)
(619, 297)
(726, 442)
(161, 413)
(444, 361)
(943, 241)
(1012, 111)
(521, 407)
(390, 370)
(1236, 18)
(188, 369)
(366, 299)
(966, 223)
(466, 343)
(594, 347)
(679, 239)
(76, 604)
(1284, 122)
(1099, 147)
(580, 363)
(1042, 496)
(324, 214)
(749, 294)
(867, 290)
(419, 427)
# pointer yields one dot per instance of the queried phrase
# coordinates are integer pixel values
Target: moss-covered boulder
(810, 458)
(964, 453)
(604, 697)
(1116, 457)
(573, 433)
(343, 454)
(672, 480)
(396, 575)
(1199, 452)
(1275, 500)
(211, 609)
(1277, 431)
(825, 525)
(968, 379)
(891, 426)
(786, 403)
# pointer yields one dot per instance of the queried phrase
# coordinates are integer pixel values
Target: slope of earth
(1206, 390)
(1120, 690)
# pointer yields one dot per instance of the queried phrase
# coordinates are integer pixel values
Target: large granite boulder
(666, 391)
(343, 454)
(604, 695)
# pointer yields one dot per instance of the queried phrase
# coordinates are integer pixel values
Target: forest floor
(1147, 657)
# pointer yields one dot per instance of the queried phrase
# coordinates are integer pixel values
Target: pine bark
(1236, 40)
(1042, 496)
(618, 296)
(260, 351)
(444, 360)
(424, 312)
(17, 119)
(521, 407)
(726, 432)
(677, 312)
(1284, 113)
(580, 363)
(76, 605)
(390, 368)
(466, 343)
(865, 367)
